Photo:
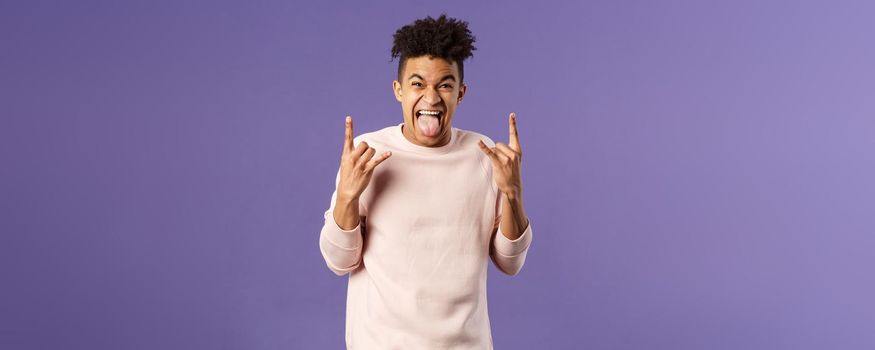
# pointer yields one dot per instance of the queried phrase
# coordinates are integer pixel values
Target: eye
(417, 84)
(447, 85)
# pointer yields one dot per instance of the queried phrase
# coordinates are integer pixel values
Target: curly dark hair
(444, 37)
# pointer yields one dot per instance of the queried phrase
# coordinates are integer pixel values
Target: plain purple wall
(699, 176)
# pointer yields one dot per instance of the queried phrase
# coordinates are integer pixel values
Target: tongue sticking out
(428, 125)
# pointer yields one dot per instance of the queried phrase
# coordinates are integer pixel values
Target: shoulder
(468, 140)
(381, 136)
(468, 137)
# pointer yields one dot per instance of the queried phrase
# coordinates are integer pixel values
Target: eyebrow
(448, 76)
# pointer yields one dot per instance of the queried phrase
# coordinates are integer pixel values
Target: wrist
(513, 194)
(345, 200)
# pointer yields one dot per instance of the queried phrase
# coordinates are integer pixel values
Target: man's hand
(506, 172)
(356, 167)
(506, 162)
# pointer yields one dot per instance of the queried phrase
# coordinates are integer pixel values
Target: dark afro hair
(444, 37)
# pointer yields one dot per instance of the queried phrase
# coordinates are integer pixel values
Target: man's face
(429, 92)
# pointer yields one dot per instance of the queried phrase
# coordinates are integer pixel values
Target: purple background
(700, 176)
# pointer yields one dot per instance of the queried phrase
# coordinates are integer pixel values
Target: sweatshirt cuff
(514, 247)
(345, 239)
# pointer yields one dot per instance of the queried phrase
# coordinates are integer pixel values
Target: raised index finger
(514, 136)
(347, 140)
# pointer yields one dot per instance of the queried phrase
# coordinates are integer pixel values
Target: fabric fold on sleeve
(340, 248)
(510, 255)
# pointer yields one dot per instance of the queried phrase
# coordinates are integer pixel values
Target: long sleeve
(510, 255)
(341, 249)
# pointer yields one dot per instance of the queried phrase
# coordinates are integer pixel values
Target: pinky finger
(376, 161)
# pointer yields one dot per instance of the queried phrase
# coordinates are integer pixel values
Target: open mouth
(428, 121)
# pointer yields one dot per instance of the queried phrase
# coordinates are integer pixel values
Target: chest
(432, 192)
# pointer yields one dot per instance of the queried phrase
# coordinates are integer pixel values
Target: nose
(431, 96)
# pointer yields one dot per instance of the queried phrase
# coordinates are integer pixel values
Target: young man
(416, 231)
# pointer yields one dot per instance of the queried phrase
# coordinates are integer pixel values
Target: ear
(396, 88)
(462, 90)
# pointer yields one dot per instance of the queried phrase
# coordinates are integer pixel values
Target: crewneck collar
(406, 144)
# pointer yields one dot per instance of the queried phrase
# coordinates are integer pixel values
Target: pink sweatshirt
(418, 261)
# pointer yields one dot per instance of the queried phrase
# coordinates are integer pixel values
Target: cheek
(453, 97)
(411, 98)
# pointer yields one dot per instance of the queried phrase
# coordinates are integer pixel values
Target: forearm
(513, 219)
(346, 213)
(511, 246)
(341, 244)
